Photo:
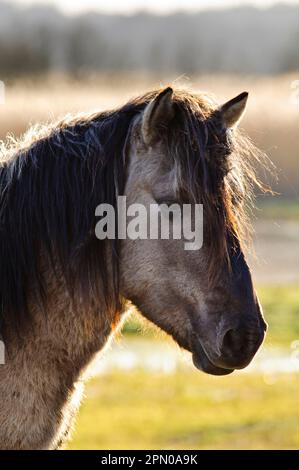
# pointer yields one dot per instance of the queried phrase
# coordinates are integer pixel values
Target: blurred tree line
(240, 40)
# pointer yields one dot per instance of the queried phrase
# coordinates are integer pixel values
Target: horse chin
(203, 363)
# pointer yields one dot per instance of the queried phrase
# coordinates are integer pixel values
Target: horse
(64, 292)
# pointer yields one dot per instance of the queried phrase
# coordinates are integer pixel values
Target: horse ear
(158, 113)
(233, 110)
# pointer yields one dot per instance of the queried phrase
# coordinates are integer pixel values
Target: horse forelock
(218, 168)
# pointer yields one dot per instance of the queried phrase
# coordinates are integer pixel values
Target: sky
(159, 6)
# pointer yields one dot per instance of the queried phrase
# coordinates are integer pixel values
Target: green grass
(277, 207)
(190, 410)
(281, 310)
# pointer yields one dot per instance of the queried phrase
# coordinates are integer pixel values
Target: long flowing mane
(54, 177)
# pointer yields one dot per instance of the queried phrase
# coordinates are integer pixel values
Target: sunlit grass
(189, 410)
(277, 208)
(281, 309)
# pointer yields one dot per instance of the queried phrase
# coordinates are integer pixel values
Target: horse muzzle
(234, 348)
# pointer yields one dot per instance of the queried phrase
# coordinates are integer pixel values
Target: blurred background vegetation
(146, 394)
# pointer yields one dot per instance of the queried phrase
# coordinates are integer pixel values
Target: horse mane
(53, 178)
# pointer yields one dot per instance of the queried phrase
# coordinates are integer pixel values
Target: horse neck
(43, 371)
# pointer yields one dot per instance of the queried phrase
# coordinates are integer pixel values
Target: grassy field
(277, 208)
(190, 410)
(281, 309)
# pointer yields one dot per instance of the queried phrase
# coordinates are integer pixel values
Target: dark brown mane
(52, 181)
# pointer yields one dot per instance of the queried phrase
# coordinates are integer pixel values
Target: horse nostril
(238, 343)
(241, 342)
(232, 341)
